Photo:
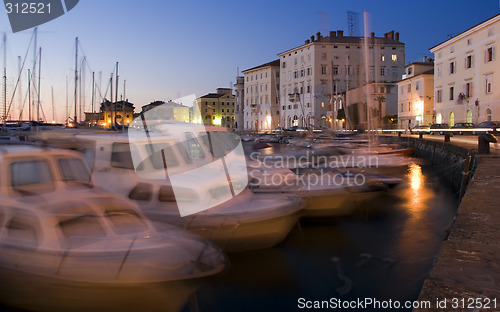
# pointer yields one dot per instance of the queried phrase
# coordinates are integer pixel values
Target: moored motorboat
(83, 247)
(197, 182)
(326, 193)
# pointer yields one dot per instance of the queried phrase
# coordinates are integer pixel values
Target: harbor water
(383, 253)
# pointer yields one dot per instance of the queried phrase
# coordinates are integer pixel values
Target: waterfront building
(239, 102)
(217, 109)
(415, 96)
(261, 97)
(167, 111)
(111, 113)
(316, 75)
(466, 73)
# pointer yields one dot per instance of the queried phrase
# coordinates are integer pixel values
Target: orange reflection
(416, 178)
(417, 190)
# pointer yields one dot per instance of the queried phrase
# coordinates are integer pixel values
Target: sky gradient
(169, 49)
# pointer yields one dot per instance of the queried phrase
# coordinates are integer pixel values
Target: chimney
(340, 33)
(333, 34)
(391, 34)
(372, 34)
(312, 38)
(307, 41)
(396, 36)
(385, 35)
(318, 36)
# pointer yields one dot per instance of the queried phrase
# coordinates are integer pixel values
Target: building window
(409, 88)
(301, 73)
(452, 67)
(308, 71)
(452, 49)
(451, 93)
(283, 65)
(489, 54)
(402, 107)
(336, 70)
(382, 71)
(439, 71)
(468, 61)
(417, 85)
(489, 82)
(394, 70)
(439, 96)
(308, 89)
(295, 74)
(394, 57)
(468, 89)
(490, 32)
(469, 41)
(323, 69)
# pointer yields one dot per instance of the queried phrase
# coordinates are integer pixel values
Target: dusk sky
(169, 49)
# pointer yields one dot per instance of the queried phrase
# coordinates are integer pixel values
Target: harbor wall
(466, 272)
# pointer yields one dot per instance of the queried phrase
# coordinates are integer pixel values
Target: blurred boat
(195, 178)
(327, 193)
(66, 245)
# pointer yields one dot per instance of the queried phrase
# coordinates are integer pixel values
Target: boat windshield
(125, 221)
(82, 230)
(73, 170)
(30, 175)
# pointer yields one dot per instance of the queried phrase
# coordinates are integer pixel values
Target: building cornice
(466, 33)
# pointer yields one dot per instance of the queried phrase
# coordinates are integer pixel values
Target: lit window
(394, 57)
(382, 58)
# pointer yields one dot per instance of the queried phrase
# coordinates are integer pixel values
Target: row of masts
(35, 108)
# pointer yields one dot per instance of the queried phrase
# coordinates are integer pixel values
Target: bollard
(483, 142)
(421, 135)
(447, 136)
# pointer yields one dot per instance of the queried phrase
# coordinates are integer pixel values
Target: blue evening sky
(169, 49)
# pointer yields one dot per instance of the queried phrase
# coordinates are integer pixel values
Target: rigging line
(19, 74)
(24, 102)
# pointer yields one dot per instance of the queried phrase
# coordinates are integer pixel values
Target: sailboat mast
(93, 94)
(116, 96)
(75, 119)
(20, 85)
(123, 106)
(4, 80)
(53, 107)
(29, 96)
(39, 74)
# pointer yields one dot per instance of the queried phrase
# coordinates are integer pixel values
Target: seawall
(466, 272)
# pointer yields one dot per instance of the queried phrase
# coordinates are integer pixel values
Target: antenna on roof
(352, 23)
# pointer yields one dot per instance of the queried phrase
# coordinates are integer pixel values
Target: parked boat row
(156, 204)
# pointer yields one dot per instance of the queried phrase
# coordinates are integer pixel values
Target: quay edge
(466, 272)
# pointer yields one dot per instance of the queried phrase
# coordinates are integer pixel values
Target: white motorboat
(66, 245)
(197, 181)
